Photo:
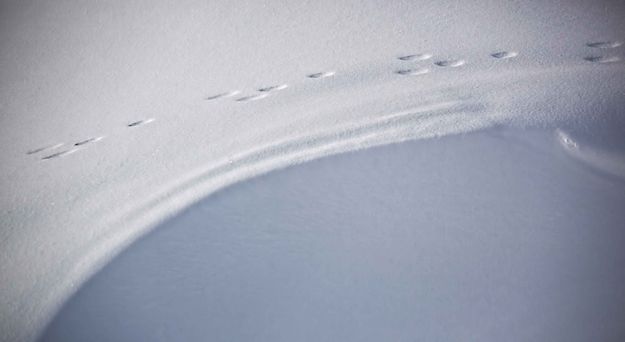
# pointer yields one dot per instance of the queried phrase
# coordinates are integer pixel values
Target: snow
(118, 115)
(379, 245)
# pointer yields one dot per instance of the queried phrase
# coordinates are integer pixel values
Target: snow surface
(117, 115)
(388, 244)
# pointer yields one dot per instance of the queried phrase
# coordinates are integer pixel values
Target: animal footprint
(321, 74)
(604, 45)
(140, 122)
(45, 148)
(602, 59)
(223, 95)
(86, 141)
(252, 97)
(417, 57)
(273, 88)
(504, 54)
(412, 72)
(452, 63)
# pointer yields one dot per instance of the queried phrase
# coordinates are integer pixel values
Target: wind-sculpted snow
(462, 112)
(403, 242)
(116, 117)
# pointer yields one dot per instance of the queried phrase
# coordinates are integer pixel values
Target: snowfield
(499, 216)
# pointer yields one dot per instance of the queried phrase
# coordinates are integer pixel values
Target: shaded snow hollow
(489, 236)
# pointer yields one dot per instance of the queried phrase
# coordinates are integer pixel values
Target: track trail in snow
(103, 170)
(418, 64)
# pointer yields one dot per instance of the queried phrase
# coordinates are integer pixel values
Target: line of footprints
(264, 92)
(61, 149)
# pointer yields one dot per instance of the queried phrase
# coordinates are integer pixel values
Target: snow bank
(490, 236)
(118, 115)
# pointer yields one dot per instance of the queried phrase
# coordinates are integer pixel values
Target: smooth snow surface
(117, 115)
(493, 236)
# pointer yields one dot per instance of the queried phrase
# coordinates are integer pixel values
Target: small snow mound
(566, 141)
(597, 158)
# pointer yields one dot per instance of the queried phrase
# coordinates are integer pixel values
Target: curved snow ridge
(405, 110)
(422, 122)
(605, 161)
(450, 110)
(427, 121)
